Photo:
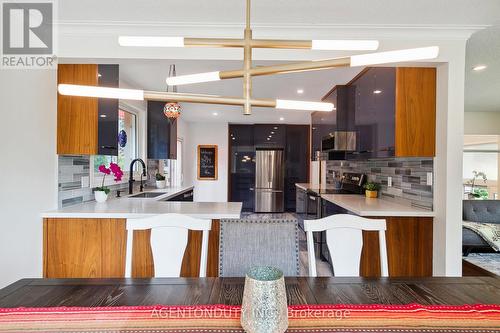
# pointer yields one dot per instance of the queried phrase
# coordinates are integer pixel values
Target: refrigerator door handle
(269, 169)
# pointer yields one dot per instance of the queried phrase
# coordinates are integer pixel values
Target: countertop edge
(379, 213)
(301, 186)
(130, 216)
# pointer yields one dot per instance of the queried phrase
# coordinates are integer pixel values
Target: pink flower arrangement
(115, 170)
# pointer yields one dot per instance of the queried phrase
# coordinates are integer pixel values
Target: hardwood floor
(469, 269)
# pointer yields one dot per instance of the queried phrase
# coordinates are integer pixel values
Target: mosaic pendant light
(172, 110)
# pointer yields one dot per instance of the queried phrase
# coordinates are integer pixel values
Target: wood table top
(300, 290)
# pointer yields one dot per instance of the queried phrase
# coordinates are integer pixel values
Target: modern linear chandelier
(247, 101)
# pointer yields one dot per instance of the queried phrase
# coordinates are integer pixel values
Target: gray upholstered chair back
(251, 242)
(486, 211)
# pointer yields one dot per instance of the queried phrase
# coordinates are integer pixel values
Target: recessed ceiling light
(99, 75)
(281, 118)
(234, 138)
(300, 91)
(377, 91)
(215, 114)
(272, 132)
(103, 116)
(275, 127)
(479, 68)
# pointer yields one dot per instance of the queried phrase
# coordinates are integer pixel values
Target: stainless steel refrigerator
(269, 181)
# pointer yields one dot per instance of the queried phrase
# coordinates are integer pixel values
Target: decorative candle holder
(264, 308)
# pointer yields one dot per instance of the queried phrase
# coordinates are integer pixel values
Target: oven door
(314, 210)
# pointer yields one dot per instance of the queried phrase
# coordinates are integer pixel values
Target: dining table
(34, 292)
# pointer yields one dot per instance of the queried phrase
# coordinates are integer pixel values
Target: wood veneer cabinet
(409, 248)
(415, 112)
(77, 116)
(85, 125)
(95, 248)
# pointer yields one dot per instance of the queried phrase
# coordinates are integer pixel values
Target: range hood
(343, 138)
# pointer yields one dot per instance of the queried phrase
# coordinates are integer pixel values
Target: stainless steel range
(316, 208)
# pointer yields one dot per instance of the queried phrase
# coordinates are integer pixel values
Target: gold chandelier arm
(288, 68)
(254, 43)
(205, 99)
(214, 42)
(247, 20)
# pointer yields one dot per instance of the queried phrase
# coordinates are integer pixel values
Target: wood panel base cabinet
(409, 248)
(95, 248)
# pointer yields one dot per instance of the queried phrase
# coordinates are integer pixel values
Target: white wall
(482, 123)
(182, 134)
(447, 241)
(206, 134)
(29, 167)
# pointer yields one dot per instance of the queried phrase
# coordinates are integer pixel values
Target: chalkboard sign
(207, 162)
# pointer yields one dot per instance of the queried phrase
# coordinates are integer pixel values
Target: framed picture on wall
(207, 162)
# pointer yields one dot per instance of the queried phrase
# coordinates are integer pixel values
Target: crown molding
(234, 30)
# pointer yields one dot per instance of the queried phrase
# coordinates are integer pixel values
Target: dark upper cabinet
(297, 161)
(269, 136)
(242, 165)
(372, 101)
(316, 134)
(162, 133)
(107, 126)
(324, 124)
(384, 105)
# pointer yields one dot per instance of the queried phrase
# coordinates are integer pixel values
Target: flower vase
(100, 196)
(161, 183)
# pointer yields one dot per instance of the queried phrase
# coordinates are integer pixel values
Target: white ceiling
(90, 20)
(482, 88)
(288, 12)
(151, 74)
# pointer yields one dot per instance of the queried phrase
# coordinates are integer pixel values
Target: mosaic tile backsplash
(409, 178)
(71, 171)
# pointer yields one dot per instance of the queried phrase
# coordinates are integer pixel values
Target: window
(127, 148)
(481, 166)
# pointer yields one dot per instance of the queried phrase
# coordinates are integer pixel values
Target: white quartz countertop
(362, 206)
(130, 208)
(308, 186)
(127, 207)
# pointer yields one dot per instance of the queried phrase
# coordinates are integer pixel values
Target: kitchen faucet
(131, 175)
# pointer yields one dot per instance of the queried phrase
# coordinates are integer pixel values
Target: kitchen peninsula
(89, 240)
(409, 234)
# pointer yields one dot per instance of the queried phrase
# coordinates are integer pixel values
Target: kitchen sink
(147, 195)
